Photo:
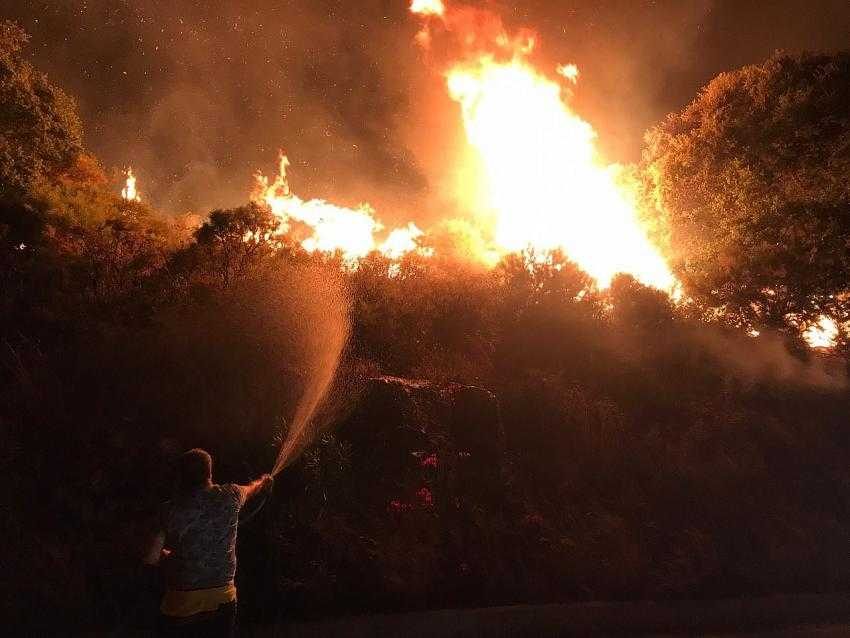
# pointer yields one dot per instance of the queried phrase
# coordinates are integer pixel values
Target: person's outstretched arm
(261, 485)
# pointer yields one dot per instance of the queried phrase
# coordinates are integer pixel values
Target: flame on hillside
(129, 191)
(330, 228)
(542, 185)
(545, 185)
(823, 333)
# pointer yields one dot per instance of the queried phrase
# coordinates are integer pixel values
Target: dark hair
(194, 469)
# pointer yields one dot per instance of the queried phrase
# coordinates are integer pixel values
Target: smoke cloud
(766, 358)
(198, 96)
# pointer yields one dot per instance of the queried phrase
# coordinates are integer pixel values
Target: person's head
(194, 470)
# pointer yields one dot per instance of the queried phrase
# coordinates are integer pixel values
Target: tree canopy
(40, 131)
(751, 182)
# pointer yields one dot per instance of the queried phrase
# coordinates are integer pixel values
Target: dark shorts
(220, 623)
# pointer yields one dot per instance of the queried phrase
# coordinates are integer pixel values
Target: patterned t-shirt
(200, 530)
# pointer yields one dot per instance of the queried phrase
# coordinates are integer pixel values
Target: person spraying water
(196, 536)
(196, 544)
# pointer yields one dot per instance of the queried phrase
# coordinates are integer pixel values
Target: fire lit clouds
(197, 95)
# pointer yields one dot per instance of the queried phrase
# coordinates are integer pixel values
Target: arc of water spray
(330, 340)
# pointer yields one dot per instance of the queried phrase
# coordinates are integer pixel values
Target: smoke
(318, 303)
(197, 96)
(766, 358)
(175, 89)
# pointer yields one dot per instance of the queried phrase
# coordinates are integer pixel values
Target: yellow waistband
(187, 603)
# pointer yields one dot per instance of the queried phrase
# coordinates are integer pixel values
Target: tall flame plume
(545, 186)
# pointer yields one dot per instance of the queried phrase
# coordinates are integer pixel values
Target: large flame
(329, 227)
(545, 186)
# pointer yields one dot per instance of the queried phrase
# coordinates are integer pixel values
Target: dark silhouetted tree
(636, 307)
(230, 244)
(40, 131)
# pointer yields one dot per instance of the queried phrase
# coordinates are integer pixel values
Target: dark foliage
(39, 127)
(751, 179)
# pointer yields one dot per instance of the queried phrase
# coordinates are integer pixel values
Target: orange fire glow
(822, 334)
(129, 191)
(544, 185)
(332, 228)
(428, 7)
(568, 72)
(402, 241)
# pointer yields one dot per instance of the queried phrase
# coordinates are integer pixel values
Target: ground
(780, 616)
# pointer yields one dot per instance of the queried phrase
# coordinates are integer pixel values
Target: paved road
(775, 617)
(820, 616)
(816, 631)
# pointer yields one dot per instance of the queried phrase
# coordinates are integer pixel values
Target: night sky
(198, 94)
